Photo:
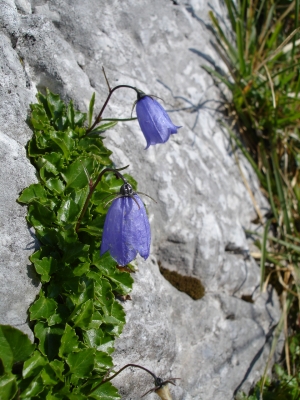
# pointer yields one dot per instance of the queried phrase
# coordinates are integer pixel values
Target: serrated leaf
(31, 389)
(49, 376)
(34, 365)
(62, 312)
(34, 191)
(8, 387)
(105, 392)
(81, 363)
(39, 215)
(104, 296)
(68, 212)
(79, 196)
(51, 163)
(96, 321)
(84, 315)
(115, 321)
(58, 367)
(75, 175)
(63, 141)
(103, 361)
(45, 267)
(76, 251)
(55, 185)
(15, 346)
(69, 342)
(107, 265)
(55, 104)
(100, 340)
(42, 308)
(91, 109)
(81, 269)
(49, 339)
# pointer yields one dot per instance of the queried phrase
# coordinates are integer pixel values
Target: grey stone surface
(215, 344)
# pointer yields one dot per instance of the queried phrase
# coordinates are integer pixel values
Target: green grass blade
(240, 45)
(231, 51)
(218, 76)
(246, 153)
(268, 181)
(232, 13)
(264, 254)
(280, 190)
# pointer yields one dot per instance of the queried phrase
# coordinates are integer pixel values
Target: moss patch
(188, 284)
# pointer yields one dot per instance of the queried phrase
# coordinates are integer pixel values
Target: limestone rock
(217, 343)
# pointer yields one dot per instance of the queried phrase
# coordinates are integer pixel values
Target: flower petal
(126, 230)
(154, 121)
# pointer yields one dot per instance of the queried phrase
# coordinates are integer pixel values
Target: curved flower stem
(117, 373)
(93, 187)
(98, 119)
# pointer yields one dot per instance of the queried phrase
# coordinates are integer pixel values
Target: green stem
(119, 119)
(93, 187)
(98, 119)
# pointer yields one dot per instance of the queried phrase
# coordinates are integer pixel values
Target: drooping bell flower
(154, 120)
(126, 229)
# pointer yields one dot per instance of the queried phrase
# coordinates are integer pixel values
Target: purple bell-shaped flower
(154, 120)
(126, 229)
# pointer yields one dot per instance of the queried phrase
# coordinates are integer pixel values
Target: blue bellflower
(154, 120)
(126, 229)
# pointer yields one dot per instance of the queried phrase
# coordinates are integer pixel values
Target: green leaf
(97, 320)
(79, 196)
(55, 185)
(58, 368)
(70, 114)
(34, 365)
(49, 376)
(91, 109)
(69, 342)
(45, 266)
(64, 141)
(81, 363)
(103, 128)
(107, 265)
(51, 163)
(76, 251)
(42, 308)
(49, 339)
(15, 346)
(116, 320)
(84, 315)
(40, 215)
(55, 105)
(104, 296)
(105, 392)
(103, 361)
(100, 340)
(75, 175)
(62, 312)
(81, 269)
(68, 212)
(8, 387)
(34, 191)
(31, 389)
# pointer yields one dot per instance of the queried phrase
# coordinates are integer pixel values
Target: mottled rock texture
(216, 343)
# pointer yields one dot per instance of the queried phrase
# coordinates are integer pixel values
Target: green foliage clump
(261, 52)
(76, 317)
